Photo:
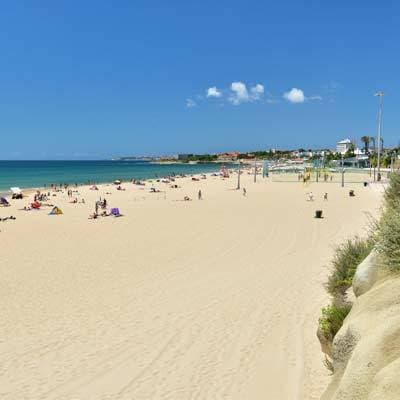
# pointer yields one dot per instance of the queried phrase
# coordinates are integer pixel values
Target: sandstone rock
(366, 350)
(367, 274)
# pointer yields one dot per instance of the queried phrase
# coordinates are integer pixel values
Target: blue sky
(93, 79)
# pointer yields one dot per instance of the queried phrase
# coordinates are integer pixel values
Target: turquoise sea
(32, 174)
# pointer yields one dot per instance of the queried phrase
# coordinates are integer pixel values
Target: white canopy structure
(16, 190)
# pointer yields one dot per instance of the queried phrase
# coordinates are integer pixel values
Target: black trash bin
(365, 184)
(318, 214)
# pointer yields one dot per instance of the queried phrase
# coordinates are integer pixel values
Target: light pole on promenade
(255, 169)
(238, 182)
(379, 94)
(342, 171)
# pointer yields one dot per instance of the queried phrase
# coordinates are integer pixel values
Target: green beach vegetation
(332, 319)
(348, 255)
(387, 228)
(384, 238)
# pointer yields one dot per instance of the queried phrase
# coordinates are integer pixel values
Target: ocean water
(32, 174)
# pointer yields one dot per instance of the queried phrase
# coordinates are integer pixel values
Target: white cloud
(257, 91)
(242, 95)
(213, 92)
(238, 93)
(190, 103)
(295, 96)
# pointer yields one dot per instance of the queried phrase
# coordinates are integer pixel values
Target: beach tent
(16, 193)
(15, 190)
(4, 202)
(115, 212)
(55, 211)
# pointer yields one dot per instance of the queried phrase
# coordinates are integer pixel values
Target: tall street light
(238, 181)
(255, 169)
(380, 94)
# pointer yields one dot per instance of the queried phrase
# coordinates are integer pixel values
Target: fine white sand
(211, 299)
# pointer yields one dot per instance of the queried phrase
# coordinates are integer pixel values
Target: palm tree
(365, 140)
(372, 139)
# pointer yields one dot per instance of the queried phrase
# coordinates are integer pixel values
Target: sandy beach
(211, 299)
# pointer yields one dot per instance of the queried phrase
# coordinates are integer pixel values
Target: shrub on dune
(387, 229)
(332, 319)
(392, 192)
(388, 238)
(347, 257)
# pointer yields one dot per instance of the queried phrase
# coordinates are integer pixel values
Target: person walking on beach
(326, 196)
(96, 207)
(199, 195)
(244, 192)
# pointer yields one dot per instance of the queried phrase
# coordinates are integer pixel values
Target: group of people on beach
(310, 196)
(100, 207)
(306, 177)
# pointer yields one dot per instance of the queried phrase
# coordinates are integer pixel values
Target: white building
(343, 146)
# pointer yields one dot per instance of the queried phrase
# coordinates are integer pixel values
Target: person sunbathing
(187, 198)
(93, 216)
(6, 218)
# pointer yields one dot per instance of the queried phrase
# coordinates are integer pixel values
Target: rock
(366, 350)
(368, 272)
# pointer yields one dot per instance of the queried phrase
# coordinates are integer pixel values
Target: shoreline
(30, 189)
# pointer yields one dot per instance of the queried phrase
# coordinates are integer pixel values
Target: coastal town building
(184, 157)
(231, 156)
(343, 146)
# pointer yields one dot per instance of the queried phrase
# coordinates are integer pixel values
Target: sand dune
(211, 299)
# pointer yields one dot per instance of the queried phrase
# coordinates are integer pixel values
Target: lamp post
(342, 171)
(379, 94)
(370, 165)
(238, 182)
(255, 169)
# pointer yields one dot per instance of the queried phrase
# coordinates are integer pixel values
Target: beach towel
(36, 205)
